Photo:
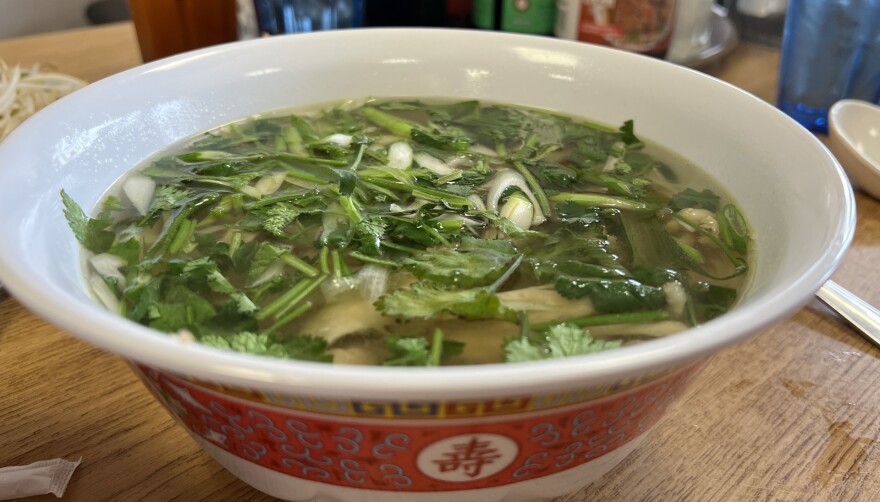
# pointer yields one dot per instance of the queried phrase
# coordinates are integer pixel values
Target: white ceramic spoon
(854, 137)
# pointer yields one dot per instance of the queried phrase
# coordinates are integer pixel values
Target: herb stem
(324, 260)
(184, 232)
(357, 160)
(299, 264)
(396, 125)
(524, 326)
(400, 247)
(302, 309)
(310, 286)
(434, 233)
(335, 260)
(543, 202)
(506, 275)
(442, 180)
(351, 209)
(599, 200)
(294, 141)
(299, 175)
(429, 194)
(235, 243)
(313, 160)
(739, 265)
(607, 319)
(290, 298)
(376, 261)
(169, 230)
(436, 348)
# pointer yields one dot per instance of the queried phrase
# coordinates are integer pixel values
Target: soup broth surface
(416, 233)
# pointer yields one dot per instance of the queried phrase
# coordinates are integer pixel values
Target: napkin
(39, 478)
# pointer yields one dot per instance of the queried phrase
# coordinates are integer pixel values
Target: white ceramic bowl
(299, 430)
(854, 137)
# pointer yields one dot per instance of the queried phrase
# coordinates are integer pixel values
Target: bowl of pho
(383, 265)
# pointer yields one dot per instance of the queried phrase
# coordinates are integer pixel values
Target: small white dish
(854, 137)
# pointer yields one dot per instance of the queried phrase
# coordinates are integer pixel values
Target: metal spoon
(864, 317)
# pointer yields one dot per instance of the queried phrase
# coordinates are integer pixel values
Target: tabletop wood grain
(792, 414)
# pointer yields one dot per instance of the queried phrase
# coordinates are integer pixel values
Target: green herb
(308, 348)
(561, 340)
(92, 233)
(689, 197)
(249, 221)
(416, 351)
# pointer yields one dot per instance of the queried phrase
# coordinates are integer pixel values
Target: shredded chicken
(544, 304)
(344, 318)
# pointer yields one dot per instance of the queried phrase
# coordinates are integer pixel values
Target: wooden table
(792, 414)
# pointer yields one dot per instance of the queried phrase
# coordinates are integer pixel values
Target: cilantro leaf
(561, 340)
(416, 351)
(181, 308)
(628, 135)
(129, 250)
(692, 198)
(612, 296)
(423, 300)
(369, 232)
(308, 348)
(204, 268)
(166, 198)
(278, 216)
(265, 255)
(92, 233)
(476, 263)
(407, 351)
(572, 213)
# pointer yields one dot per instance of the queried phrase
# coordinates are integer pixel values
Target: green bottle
(520, 16)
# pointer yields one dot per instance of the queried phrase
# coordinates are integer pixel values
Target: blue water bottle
(830, 51)
(295, 16)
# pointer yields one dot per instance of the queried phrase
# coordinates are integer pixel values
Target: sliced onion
(343, 140)
(372, 281)
(270, 183)
(251, 192)
(104, 293)
(107, 265)
(400, 155)
(432, 164)
(519, 210)
(676, 297)
(505, 179)
(458, 160)
(337, 286)
(139, 189)
(483, 150)
(477, 202)
(610, 164)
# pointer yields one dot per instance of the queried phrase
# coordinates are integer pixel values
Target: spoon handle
(859, 313)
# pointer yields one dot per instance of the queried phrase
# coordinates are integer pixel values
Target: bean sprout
(25, 91)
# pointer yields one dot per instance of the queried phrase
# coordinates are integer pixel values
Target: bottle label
(521, 16)
(643, 26)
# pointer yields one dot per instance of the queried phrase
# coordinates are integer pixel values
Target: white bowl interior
(789, 186)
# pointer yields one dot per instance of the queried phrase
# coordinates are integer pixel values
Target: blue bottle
(830, 51)
(295, 16)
